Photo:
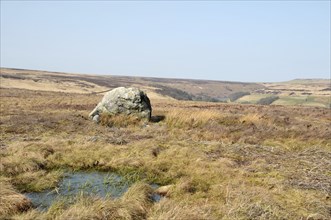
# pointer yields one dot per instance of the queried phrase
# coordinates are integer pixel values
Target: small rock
(164, 190)
(96, 118)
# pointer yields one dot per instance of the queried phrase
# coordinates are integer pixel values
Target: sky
(251, 41)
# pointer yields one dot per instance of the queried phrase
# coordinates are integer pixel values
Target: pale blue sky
(220, 40)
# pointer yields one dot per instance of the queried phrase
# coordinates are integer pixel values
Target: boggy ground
(223, 161)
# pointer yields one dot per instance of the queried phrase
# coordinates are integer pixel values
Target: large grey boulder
(129, 101)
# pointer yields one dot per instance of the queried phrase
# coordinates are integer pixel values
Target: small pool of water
(101, 184)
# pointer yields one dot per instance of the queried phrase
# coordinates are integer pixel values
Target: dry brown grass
(11, 202)
(120, 120)
(169, 209)
(190, 119)
(225, 161)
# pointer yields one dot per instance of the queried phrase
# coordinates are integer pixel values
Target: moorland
(220, 159)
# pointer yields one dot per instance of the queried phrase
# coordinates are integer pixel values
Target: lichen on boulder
(121, 100)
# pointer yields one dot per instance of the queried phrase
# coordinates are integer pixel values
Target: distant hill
(305, 92)
(181, 89)
(309, 81)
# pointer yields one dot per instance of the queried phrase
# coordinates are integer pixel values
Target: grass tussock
(11, 202)
(20, 160)
(37, 181)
